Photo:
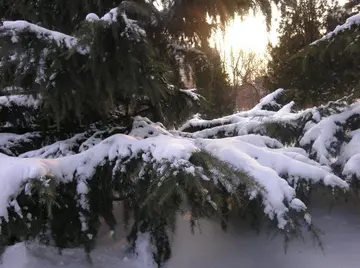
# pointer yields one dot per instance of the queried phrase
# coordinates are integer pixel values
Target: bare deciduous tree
(247, 70)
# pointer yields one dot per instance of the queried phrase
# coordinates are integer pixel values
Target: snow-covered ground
(239, 247)
(242, 247)
(106, 256)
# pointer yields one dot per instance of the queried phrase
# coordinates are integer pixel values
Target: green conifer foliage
(301, 23)
(73, 89)
(213, 84)
(216, 169)
(125, 62)
(331, 65)
(319, 69)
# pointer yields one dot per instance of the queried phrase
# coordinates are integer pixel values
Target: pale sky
(249, 34)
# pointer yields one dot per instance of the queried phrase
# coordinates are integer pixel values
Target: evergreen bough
(239, 165)
(324, 69)
(77, 131)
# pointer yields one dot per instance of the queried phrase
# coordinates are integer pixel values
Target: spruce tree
(301, 24)
(330, 63)
(219, 96)
(323, 68)
(87, 105)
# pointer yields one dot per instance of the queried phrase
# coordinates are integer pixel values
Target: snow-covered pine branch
(324, 135)
(15, 29)
(18, 111)
(258, 120)
(108, 62)
(350, 22)
(150, 166)
(14, 144)
(326, 69)
(57, 188)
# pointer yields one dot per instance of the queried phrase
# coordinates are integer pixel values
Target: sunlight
(248, 34)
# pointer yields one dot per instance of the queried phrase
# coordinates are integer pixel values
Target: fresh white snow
(91, 17)
(321, 136)
(109, 17)
(353, 20)
(191, 92)
(27, 101)
(41, 32)
(107, 255)
(239, 246)
(243, 247)
(265, 160)
(271, 165)
(264, 165)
